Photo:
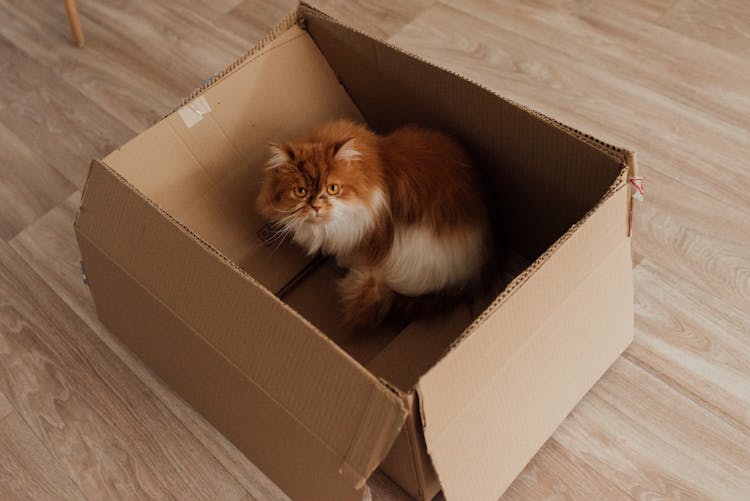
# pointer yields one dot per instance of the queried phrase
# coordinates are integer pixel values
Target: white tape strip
(193, 112)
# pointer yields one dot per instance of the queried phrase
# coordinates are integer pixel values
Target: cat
(404, 212)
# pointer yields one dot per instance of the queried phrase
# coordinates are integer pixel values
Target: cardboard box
(172, 250)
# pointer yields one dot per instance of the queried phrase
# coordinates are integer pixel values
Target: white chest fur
(348, 225)
(421, 262)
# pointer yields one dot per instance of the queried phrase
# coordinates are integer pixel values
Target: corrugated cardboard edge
(633, 172)
(408, 463)
(363, 456)
(414, 448)
(454, 476)
(427, 479)
(604, 225)
(513, 286)
(362, 446)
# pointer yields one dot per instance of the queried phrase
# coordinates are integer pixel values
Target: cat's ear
(346, 150)
(280, 155)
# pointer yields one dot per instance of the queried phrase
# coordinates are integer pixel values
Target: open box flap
(510, 380)
(316, 383)
(289, 454)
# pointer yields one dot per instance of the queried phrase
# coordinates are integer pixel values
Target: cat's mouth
(315, 217)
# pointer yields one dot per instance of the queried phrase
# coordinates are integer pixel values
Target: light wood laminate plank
(110, 434)
(27, 469)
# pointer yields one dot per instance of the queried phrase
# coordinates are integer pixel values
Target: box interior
(207, 175)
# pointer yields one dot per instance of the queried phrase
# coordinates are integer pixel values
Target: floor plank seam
(583, 460)
(685, 392)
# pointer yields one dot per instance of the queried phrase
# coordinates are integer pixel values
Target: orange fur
(407, 217)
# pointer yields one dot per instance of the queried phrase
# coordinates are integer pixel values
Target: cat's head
(325, 194)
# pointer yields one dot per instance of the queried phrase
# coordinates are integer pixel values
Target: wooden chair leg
(75, 22)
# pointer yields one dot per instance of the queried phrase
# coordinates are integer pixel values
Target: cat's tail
(366, 301)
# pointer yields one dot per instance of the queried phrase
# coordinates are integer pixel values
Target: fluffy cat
(403, 212)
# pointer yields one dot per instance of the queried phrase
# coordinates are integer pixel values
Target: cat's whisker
(283, 223)
(284, 227)
(281, 235)
(294, 211)
(281, 242)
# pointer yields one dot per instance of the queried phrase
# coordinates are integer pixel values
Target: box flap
(334, 398)
(493, 400)
(277, 443)
(407, 462)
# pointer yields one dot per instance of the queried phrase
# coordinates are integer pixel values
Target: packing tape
(637, 184)
(193, 112)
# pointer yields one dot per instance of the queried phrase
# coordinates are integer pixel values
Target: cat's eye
(333, 189)
(300, 191)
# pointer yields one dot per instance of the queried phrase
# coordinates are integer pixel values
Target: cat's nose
(315, 206)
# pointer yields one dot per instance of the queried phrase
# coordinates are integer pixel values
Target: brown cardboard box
(171, 248)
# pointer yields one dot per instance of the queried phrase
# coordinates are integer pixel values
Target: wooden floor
(81, 418)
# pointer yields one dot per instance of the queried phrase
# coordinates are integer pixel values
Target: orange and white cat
(403, 212)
